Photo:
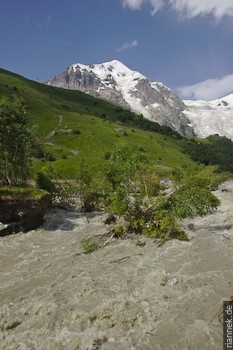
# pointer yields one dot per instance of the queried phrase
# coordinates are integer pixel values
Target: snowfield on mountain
(211, 117)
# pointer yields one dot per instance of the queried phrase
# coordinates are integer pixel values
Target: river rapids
(121, 297)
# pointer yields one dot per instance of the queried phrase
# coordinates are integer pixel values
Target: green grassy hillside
(76, 126)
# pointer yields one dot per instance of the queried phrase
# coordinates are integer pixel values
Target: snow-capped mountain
(115, 82)
(211, 117)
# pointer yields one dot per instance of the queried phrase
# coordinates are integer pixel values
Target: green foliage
(217, 150)
(123, 164)
(84, 180)
(50, 157)
(17, 142)
(190, 196)
(120, 230)
(61, 191)
(128, 174)
(44, 182)
(107, 155)
(192, 201)
(39, 152)
(151, 212)
(76, 132)
(7, 192)
(164, 225)
(89, 245)
(90, 190)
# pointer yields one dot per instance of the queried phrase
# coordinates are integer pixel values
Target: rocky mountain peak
(117, 83)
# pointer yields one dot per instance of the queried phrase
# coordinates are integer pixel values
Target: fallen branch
(161, 242)
(220, 311)
(105, 243)
(106, 234)
(119, 260)
(147, 209)
(140, 243)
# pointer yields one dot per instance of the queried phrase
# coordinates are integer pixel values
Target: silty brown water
(52, 298)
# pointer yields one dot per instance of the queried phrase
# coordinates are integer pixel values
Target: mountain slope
(77, 126)
(115, 82)
(211, 117)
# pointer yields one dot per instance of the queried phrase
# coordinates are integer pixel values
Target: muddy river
(121, 297)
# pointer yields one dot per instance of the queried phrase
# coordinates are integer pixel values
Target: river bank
(122, 297)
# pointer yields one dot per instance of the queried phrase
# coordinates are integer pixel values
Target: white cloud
(133, 4)
(156, 6)
(137, 4)
(193, 8)
(187, 8)
(129, 45)
(208, 90)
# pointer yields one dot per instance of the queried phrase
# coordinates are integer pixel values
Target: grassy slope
(52, 108)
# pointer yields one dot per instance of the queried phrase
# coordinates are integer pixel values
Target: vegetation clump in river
(136, 195)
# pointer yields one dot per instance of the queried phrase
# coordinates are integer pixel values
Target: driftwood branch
(108, 240)
(220, 311)
(119, 260)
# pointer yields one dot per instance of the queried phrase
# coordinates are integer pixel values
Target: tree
(155, 214)
(17, 142)
(124, 163)
(126, 170)
(88, 192)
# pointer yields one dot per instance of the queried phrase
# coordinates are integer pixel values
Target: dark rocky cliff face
(22, 214)
(90, 84)
(163, 106)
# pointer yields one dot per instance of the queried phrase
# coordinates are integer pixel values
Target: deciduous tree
(17, 142)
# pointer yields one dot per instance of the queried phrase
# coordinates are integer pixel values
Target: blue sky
(186, 44)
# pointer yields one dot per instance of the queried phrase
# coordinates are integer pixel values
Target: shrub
(107, 155)
(76, 132)
(135, 195)
(44, 182)
(50, 157)
(89, 245)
